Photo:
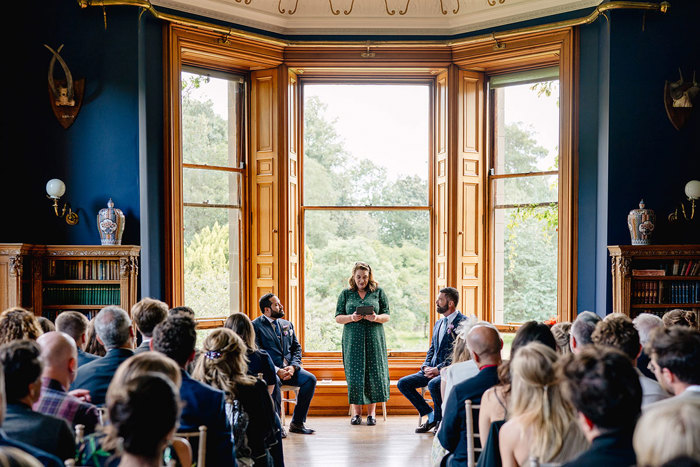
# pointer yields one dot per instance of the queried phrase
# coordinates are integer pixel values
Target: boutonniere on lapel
(286, 331)
(451, 329)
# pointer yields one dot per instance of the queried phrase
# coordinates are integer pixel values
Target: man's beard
(441, 309)
(276, 314)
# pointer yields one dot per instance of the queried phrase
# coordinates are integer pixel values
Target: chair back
(79, 433)
(201, 436)
(471, 436)
(103, 415)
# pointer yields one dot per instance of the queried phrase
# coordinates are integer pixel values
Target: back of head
(45, 324)
(532, 331)
(618, 332)
(602, 384)
(678, 349)
(680, 318)
(223, 362)
(57, 349)
(485, 342)
(242, 325)
(583, 327)
(452, 294)
(22, 366)
(562, 333)
(143, 413)
(73, 323)
(181, 310)
(148, 313)
(141, 364)
(113, 327)
(667, 431)
(18, 323)
(175, 337)
(92, 345)
(645, 323)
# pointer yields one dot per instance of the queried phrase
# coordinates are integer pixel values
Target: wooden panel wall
(441, 170)
(292, 200)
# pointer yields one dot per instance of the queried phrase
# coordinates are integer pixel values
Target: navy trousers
(409, 385)
(307, 386)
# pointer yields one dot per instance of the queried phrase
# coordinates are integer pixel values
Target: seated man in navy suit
(147, 314)
(202, 404)
(75, 324)
(276, 336)
(439, 355)
(114, 331)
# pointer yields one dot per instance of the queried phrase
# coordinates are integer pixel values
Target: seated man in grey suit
(114, 331)
(148, 313)
(75, 324)
(22, 372)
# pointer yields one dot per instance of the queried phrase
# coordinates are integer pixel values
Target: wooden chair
(471, 436)
(103, 415)
(423, 390)
(79, 433)
(292, 400)
(201, 445)
(383, 410)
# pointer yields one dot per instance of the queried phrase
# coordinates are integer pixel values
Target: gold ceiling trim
(228, 32)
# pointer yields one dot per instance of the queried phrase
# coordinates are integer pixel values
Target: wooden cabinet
(655, 278)
(48, 279)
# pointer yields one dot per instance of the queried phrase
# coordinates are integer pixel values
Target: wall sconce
(55, 189)
(692, 191)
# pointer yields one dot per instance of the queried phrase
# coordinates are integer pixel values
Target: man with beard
(438, 356)
(276, 336)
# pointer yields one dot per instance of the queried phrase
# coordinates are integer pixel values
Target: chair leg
(284, 423)
(384, 410)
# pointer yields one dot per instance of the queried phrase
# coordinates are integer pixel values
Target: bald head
(485, 344)
(60, 356)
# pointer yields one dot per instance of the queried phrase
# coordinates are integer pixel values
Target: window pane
(211, 187)
(366, 144)
(525, 267)
(212, 260)
(395, 243)
(210, 119)
(526, 127)
(526, 190)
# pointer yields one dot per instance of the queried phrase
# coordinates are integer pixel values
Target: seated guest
(101, 449)
(462, 367)
(93, 346)
(603, 387)
(17, 323)
(22, 370)
(437, 357)
(223, 366)
(666, 432)
(619, 332)
(75, 324)
(675, 353)
(181, 310)
(542, 424)
(203, 405)
(485, 348)
(114, 331)
(45, 324)
(259, 361)
(645, 323)
(147, 314)
(581, 330)
(60, 357)
(679, 317)
(562, 335)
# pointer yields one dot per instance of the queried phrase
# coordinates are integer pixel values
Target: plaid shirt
(56, 401)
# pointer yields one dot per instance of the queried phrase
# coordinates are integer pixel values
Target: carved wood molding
(621, 265)
(16, 266)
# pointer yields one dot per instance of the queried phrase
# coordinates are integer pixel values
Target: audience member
(462, 367)
(675, 353)
(223, 366)
(603, 387)
(645, 323)
(581, 330)
(93, 346)
(203, 405)
(44, 457)
(22, 370)
(45, 324)
(60, 358)
(562, 335)
(17, 323)
(147, 314)
(181, 310)
(485, 348)
(75, 324)
(679, 317)
(114, 332)
(259, 361)
(666, 432)
(619, 332)
(541, 422)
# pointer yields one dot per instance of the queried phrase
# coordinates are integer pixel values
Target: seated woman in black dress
(259, 362)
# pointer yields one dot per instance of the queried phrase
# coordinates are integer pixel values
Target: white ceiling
(372, 17)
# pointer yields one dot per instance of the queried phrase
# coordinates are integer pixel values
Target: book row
(88, 269)
(52, 314)
(82, 295)
(649, 292)
(679, 267)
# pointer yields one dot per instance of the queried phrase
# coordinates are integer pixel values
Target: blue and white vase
(641, 224)
(110, 224)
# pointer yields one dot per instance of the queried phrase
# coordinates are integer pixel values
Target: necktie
(276, 327)
(443, 328)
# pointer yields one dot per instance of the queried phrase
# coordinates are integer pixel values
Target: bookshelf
(48, 279)
(655, 278)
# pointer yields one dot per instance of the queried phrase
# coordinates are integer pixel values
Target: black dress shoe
(371, 420)
(424, 428)
(301, 429)
(357, 420)
(284, 433)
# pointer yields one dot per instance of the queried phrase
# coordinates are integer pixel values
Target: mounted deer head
(65, 96)
(62, 95)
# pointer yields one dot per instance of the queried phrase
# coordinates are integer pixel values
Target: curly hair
(618, 332)
(680, 317)
(242, 325)
(175, 337)
(17, 323)
(371, 283)
(223, 363)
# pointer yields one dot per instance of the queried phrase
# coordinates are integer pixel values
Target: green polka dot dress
(364, 349)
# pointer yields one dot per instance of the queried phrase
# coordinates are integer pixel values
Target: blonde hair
(537, 399)
(460, 349)
(371, 283)
(667, 431)
(242, 325)
(223, 363)
(17, 323)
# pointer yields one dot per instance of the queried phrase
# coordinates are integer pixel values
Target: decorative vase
(641, 224)
(110, 223)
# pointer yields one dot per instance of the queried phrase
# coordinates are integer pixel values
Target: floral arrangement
(551, 321)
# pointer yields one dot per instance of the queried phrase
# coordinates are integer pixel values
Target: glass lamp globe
(692, 189)
(55, 188)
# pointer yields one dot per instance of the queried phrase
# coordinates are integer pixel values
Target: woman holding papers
(363, 308)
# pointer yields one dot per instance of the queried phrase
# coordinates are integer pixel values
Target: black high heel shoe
(356, 420)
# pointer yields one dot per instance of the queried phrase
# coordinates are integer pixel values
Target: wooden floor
(337, 443)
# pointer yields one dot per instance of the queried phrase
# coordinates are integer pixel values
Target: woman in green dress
(364, 345)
